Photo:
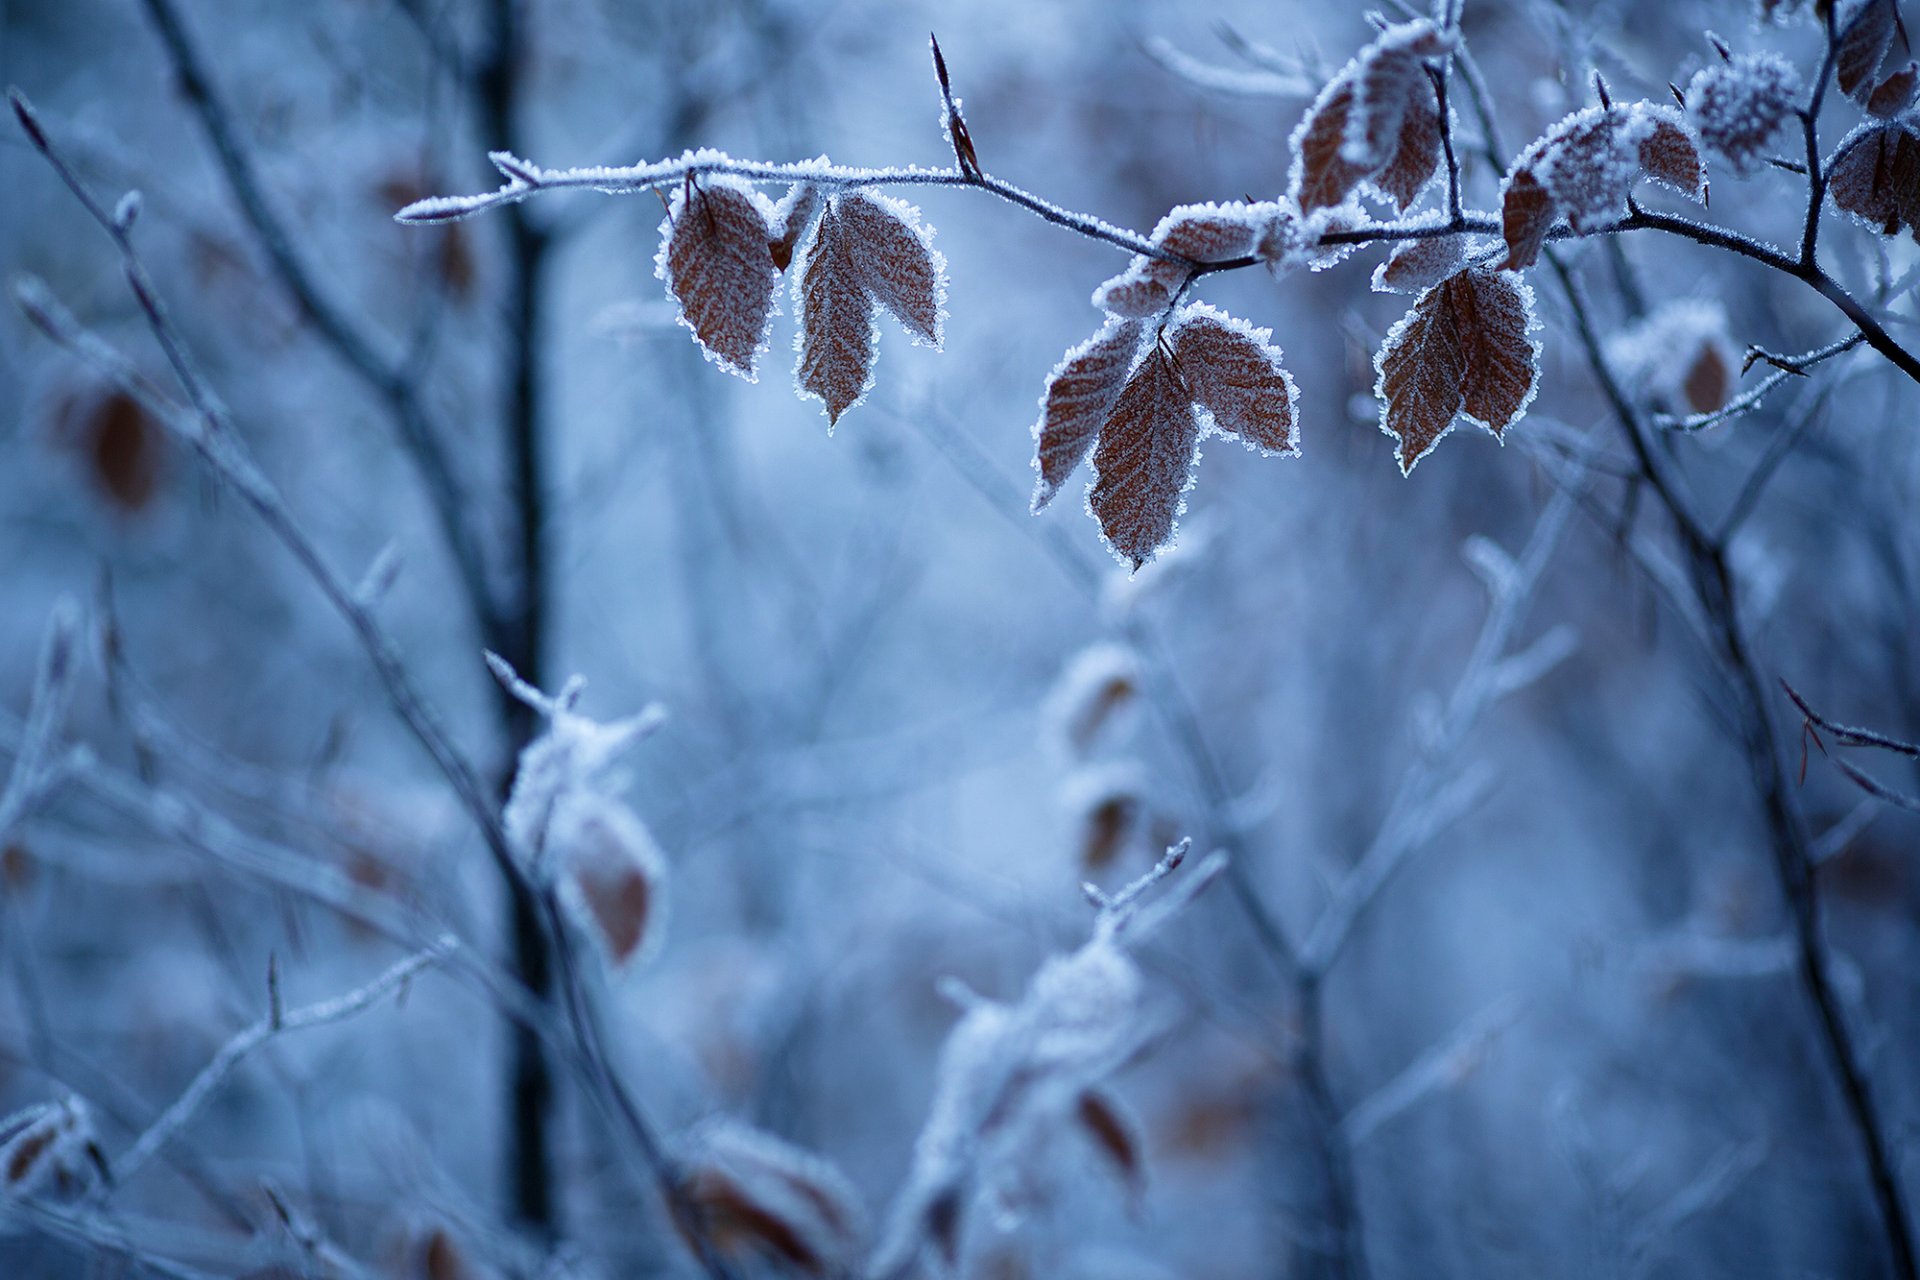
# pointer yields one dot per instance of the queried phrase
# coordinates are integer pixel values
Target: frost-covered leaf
(894, 255)
(611, 873)
(757, 1194)
(1417, 265)
(1106, 803)
(1144, 459)
(715, 259)
(1465, 350)
(791, 219)
(1094, 693)
(1389, 83)
(1681, 357)
(1877, 179)
(1144, 289)
(1213, 232)
(837, 332)
(1233, 375)
(1080, 391)
(868, 251)
(1377, 119)
(1895, 94)
(49, 1150)
(1285, 241)
(1585, 166)
(1863, 34)
(1740, 105)
(1118, 1137)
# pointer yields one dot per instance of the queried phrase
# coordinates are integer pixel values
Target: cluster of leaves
(723, 247)
(1162, 372)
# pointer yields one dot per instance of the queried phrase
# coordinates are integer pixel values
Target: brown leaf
(1322, 177)
(1417, 265)
(751, 1192)
(1709, 382)
(1144, 460)
(1416, 158)
(1144, 289)
(1105, 828)
(1894, 94)
(121, 443)
(894, 258)
(1080, 391)
(1669, 154)
(792, 218)
(1235, 376)
(1117, 1136)
(1463, 351)
(735, 1222)
(716, 260)
(1526, 215)
(1877, 180)
(1208, 232)
(1861, 43)
(614, 875)
(836, 322)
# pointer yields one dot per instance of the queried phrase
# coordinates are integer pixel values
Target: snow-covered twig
(1746, 401)
(38, 769)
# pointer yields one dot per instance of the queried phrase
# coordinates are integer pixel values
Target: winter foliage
(1316, 871)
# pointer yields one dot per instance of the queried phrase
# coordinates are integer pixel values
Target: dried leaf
(1080, 391)
(894, 256)
(1377, 119)
(1894, 94)
(755, 1193)
(1144, 289)
(1739, 106)
(49, 1150)
(1417, 265)
(792, 218)
(1877, 180)
(837, 332)
(1585, 166)
(1118, 1137)
(1861, 42)
(1464, 350)
(1235, 377)
(121, 444)
(715, 258)
(1144, 460)
(1526, 216)
(613, 874)
(1212, 232)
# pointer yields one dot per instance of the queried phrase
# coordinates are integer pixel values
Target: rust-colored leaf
(1861, 43)
(1417, 265)
(792, 218)
(614, 875)
(1080, 392)
(752, 1193)
(1894, 94)
(1709, 382)
(1144, 289)
(736, 1222)
(1105, 828)
(1117, 1136)
(894, 259)
(1323, 178)
(1464, 350)
(1235, 376)
(1669, 154)
(1877, 180)
(1416, 156)
(715, 258)
(1526, 215)
(836, 322)
(1144, 459)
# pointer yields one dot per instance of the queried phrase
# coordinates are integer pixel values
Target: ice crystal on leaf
(1415, 266)
(1740, 105)
(1585, 166)
(715, 257)
(1144, 417)
(1863, 32)
(1876, 178)
(757, 1194)
(1376, 123)
(869, 252)
(1011, 1076)
(1680, 357)
(1466, 350)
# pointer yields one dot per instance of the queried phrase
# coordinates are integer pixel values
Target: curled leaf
(1417, 265)
(791, 219)
(1377, 119)
(1861, 39)
(1740, 105)
(1877, 179)
(1585, 166)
